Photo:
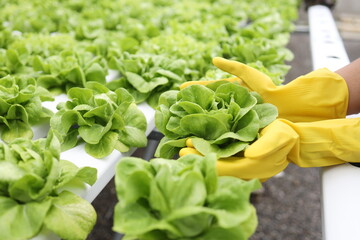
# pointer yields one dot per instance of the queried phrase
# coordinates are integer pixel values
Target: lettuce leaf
(76, 214)
(22, 221)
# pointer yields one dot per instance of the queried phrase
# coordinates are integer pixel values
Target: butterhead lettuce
(104, 119)
(182, 199)
(221, 117)
(20, 106)
(148, 75)
(32, 195)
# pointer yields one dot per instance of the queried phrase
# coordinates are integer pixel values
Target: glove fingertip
(255, 79)
(215, 60)
(227, 65)
(186, 151)
(189, 143)
(182, 152)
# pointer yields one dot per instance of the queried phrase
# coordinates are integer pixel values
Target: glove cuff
(326, 143)
(319, 95)
(334, 90)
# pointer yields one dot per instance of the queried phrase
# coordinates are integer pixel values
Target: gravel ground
(288, 205)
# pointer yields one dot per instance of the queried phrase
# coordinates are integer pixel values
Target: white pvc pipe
(327, 47)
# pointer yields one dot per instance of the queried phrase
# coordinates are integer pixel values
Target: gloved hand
(319, 95)
(313, 144)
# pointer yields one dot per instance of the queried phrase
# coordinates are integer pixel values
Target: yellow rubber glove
(306, 144)
(319, 95)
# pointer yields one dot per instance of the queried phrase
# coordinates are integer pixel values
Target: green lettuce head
(182, 199)
(20, 106)
(68, 69)
(104, 119)
(221, 117)
(146, 76)
(32, 195)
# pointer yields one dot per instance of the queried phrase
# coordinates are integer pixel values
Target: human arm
(351, 74)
